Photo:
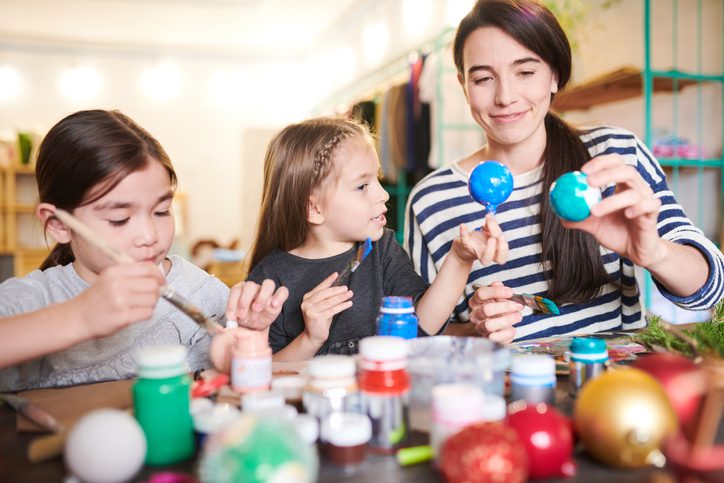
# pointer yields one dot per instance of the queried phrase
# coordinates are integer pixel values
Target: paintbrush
(535, 302)
(44, 447)
(362, 251)
(164, 291)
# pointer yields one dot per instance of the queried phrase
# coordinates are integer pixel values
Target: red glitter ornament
(547, 436)
(484, 453)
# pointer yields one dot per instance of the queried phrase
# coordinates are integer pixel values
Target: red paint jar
(384, 387)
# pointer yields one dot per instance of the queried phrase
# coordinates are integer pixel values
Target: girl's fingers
(491, 224)
(329, 302)
(501, 253)
(489, 252)
(494, 309)
(262, 297)
(495, 290)
(326, 283)
(249, 292)
(601, 163)
(280, 296)
(495, 324)
(647, 206)
(504, 336)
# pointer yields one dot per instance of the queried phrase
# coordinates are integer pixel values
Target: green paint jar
(161, 400)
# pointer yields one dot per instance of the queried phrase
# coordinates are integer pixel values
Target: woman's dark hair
(577, 270)
(84, 156)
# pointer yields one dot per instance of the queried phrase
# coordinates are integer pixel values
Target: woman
(512, 58)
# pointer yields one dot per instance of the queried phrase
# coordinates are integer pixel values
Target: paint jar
(454, 406)
(397, 317)
(452, 360)
(346, 436)
(161, 402)
(292, 387)
(533, 379)
(332, 386)
(251, 361)
(588, 360)
(384, 387)
(209, 421)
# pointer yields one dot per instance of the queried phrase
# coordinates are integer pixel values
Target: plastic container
(454, 406)
(397, 317)
(588, 360)
(292, 387)
(251, 361)
(533, 379)
(161, 402)
(384, 386)
(446, 359)
(346, 436)
(332, 386)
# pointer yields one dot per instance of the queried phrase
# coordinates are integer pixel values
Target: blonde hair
(298, 161)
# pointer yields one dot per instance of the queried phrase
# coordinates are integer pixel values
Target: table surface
(14, 466)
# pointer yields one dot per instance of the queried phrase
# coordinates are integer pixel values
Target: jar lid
(494, 408)
(291, 387)
(590, 349)
(383, 352)
(397, 305)
(308, 428)
(332, 366)
(262, 400)
(161, 361)
(457, 403)
(210, 420)
(346, 429)
(533, 365)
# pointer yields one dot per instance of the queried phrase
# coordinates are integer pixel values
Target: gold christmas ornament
(623, 417)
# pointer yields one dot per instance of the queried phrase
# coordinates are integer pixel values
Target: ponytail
(60, 255)
(577, 270)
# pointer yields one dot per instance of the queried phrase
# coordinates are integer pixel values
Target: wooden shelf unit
(618, 85)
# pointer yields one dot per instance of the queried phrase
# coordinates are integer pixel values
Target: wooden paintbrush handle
(44, 448)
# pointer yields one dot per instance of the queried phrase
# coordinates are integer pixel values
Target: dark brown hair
(84, 156)
(577, 270)
(297, 162)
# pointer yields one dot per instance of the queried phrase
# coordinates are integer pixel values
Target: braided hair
(299, 161)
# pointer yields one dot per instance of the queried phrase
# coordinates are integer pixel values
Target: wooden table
(15, 468)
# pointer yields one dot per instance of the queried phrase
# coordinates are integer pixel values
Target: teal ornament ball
(490, 184)
(255, 450)
(572, 198)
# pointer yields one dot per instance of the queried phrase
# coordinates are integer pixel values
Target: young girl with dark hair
(321, 199)
(512, 58)
(80, 317)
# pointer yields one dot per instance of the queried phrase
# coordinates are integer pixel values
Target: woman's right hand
(320, 305)
(493, 313)
(121, 295)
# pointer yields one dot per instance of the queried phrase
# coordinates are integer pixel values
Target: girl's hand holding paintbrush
(493, 313)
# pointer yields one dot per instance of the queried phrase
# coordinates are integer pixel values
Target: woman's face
(508, 87)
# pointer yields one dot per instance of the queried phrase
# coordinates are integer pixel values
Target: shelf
(19, 169)
(691, 163)
(621, 84)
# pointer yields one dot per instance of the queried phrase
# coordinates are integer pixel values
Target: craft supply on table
(161, 401)
(572, 197)
(397, 317)
(170, 295)
(547, 436)
(105, 446)
(345, 436)
(253, 449)
(363, 250)
(251, 361)
(448, 359)
(484, 452)
(384, 387)
(533, 379)
(490, 184)
(292, 387)
(413, 455)
(589, 359)
(33, 413)
(622, 417)
(212, 419)
(454, 406)
(332, 386)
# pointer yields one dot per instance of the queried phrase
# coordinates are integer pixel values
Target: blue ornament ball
(490, 184)
(572, 198)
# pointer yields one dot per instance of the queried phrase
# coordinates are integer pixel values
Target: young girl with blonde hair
(321, 199)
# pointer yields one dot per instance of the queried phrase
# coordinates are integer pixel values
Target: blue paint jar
(397, 317)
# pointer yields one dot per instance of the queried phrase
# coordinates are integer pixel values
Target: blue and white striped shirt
(441, 202)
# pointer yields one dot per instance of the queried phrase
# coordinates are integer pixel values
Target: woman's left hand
(487, 245)
(624, 222)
